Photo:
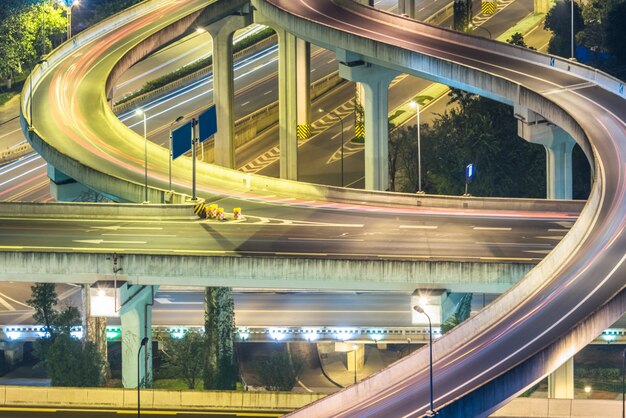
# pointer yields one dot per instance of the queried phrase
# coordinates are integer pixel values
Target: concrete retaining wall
(22, 396)
(560, 408)
(96, 210)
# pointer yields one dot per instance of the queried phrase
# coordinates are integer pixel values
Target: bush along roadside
(195, 66)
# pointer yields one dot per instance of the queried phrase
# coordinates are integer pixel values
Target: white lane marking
(489, 228)
(267, 92)
(328, 62)
(7, 305)
(118, 227)
(15, 301)
(101, 241)
(326, 239)
(11, 132)
(558, 230)
(553, 237)
(418, 227)
(243, 104)
(139, 235)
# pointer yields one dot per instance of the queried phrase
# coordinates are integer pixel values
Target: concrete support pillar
(287, 105)
(435, 303)
(561, 381)
(375, 81)
(542, 6)
(303, 87)
(558, 144)
(64, 188)
(136, 319)
(355, 358)
(407, 7)
(222, 33)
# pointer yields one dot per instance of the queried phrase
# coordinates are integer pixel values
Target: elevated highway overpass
(507, 346)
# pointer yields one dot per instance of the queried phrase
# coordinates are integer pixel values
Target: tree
(278, 371)
(462, 14)
(69, 362)
(220, 369)
(615, 44)
(517, 39)
(185, 357)
(558, 20)
(43, 299)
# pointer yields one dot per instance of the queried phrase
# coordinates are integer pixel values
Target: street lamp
(416, 105)
(30, 93)
(354, 347)
(178, 119)
(332, 112)
(572, 22)
(69, 18)
(473, 27)
(140, 112)
(419, 309)
(624, 384)
(144, 341)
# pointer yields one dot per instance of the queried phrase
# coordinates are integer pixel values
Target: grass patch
(5, 97)
(175, 384)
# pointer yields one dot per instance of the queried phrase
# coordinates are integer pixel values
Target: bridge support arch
(63, 187)
(375, 81)
(222, 33)
(558, 144)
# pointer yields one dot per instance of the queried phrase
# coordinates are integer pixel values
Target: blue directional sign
(207, 122)
(470, 172)
(181, 140)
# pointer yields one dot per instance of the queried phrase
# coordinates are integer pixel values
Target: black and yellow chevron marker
(304, 131)
(199, 210)
(359, 131)
(488, 7)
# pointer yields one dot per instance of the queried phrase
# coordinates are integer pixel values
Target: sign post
(188, 135)
(470, 172)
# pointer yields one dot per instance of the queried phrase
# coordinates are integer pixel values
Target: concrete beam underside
(293, 273)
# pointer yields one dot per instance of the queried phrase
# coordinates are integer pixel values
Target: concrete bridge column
(375, 80)
(407, 7)
(558, 144)
(223, 85)
(136, 319)
(355, 357)
(542, 6)
(561, 381)
(95, 329)
(63, 187)
(303, 87)
(287, 105)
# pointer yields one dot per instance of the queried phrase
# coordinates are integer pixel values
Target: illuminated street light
(419, 309)
(69, 17)
(178, 119)
(140, 112)
(144, 341)
(416, 105)
(332, 112)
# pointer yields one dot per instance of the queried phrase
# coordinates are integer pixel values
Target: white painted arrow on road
(101, 241)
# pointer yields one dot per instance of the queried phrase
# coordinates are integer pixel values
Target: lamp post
(416, 104)
(473, 27)
(30, 93)
(624, 384)
(69, 18)
(572, 24)
(140, 112)
(355, 347)
(144, 341)
(178, 119)
(341, 122)
(419, 309)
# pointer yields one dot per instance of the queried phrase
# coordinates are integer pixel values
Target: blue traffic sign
(207, 122)
(181, 140)
(470, 172)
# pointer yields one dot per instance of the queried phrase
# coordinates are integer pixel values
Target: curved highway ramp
(562, 304)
